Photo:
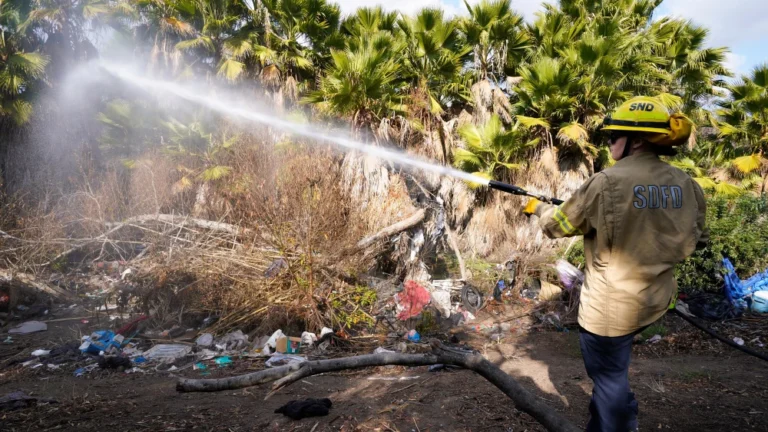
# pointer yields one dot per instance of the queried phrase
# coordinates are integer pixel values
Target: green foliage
(657, 328)
(350, 307)
(739, 231)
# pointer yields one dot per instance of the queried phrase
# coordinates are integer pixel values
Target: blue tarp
(736, 289)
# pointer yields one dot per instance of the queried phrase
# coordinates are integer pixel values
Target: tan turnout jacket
(639, 218)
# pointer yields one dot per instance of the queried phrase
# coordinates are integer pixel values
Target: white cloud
(735, 62)
(730, 22)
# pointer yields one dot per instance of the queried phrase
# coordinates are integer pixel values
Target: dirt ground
(709, 388)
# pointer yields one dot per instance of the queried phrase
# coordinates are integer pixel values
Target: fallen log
(23, 280)
(393, 229)
(286, 375)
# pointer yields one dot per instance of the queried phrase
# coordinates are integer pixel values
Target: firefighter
(639, 218)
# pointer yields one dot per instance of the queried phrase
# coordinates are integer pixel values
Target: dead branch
(393, 229)
(23, 280)
(286, 375)
(455, 247)
(184, 220)
(137, 221)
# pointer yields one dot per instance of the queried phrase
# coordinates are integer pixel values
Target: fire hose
(517, 190)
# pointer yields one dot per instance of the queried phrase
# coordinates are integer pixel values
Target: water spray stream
(234, 109)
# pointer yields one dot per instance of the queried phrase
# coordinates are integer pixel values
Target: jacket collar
(637, 157)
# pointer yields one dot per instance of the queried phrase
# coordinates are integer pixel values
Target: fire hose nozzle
(517, 190)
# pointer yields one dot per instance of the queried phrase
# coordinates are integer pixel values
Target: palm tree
(363, 81)
(490, 150)
(495, 33)
(20, 70)
(744, 123)
(434, 56)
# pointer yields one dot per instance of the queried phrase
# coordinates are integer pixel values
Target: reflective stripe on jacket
(639, 218)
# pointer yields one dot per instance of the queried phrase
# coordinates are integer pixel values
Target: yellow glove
(530, 208)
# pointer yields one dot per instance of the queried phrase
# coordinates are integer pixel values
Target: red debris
(413, 298)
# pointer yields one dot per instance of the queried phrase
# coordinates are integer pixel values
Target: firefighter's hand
(530, 208)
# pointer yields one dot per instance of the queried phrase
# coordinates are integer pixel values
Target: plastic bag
(570, 276)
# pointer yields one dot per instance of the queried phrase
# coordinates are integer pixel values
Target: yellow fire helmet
(649, 115)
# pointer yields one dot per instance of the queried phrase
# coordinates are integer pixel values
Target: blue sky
(741, 25)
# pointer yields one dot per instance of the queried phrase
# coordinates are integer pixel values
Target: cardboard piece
(288, 345)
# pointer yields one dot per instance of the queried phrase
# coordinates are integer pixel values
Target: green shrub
(738, 230)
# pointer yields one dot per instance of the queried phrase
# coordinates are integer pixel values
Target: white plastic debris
(381, 350)
(284, 359)
(308, 338)
(325, 331)
(233, 341)
(167, 352)
(127, 272)
(40, 352)
(205, 340)
(739, 341)
(441, 297)
(654, 339)
(272, 342)
(29, 327)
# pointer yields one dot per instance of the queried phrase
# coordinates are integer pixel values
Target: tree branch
(24, 280)
(286, 375)
(393, 229)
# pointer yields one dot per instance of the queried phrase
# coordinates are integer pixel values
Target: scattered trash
(132, 327)
(19, 400)
(30, 363)
(284, 359)
(298, 410)
(325, 331)
(223, 361)
(499, 289)
(206, 354)
(85, 321)
(713, 307)
(102, 341)
(84, 370)
(308, 338)
(167, 353)
(549, 291)
(736, 290)
(441, 297)
(8, 340)
(570, 276)
(200, 366)
(414, 336)
(134, 370)
(232, 341)
(275, 268)
(760, 301)
(411, 300)
(738, 341)
(288, 345)
(654, 339)
(40, 353)
(272, 341)
(441, 367)
(29, 327)
(381, 350)
(205, 340)
(114, 362)
(140, 359)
